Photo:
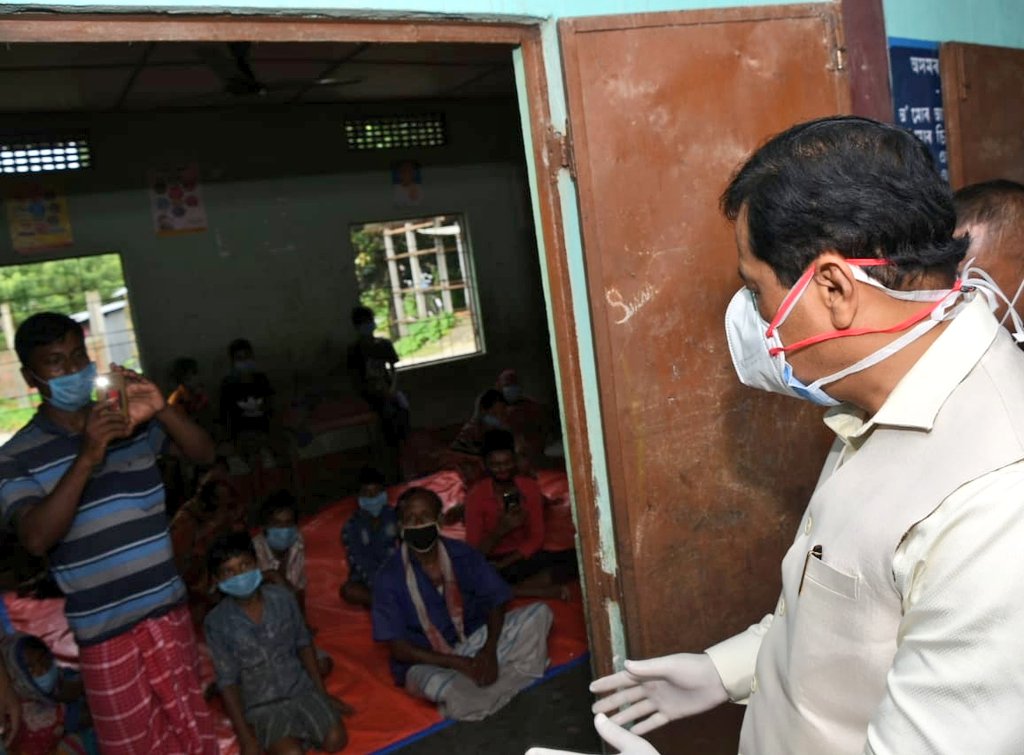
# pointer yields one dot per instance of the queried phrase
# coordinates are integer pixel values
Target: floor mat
(385, 716)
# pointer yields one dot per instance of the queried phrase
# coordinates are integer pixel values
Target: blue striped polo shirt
(115, 564)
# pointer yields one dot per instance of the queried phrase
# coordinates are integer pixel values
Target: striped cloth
(308, 717)
(115, 564)
(144, 691)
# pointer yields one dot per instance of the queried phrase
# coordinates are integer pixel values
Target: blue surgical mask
(373, 505)
(282, 538)
(366, 328)
(512, 393)
(245, 366)
(491, 421)
(47, 683)
(241, 585)
(70, 393)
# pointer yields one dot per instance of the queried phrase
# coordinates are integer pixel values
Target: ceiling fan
(235, 70)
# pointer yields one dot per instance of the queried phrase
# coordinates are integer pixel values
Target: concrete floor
(555, 713)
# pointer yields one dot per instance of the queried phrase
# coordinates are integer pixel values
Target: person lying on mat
(441, 608)
(505, 521)
(266, 666)
(370, 537)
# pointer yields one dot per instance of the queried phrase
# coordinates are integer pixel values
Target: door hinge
(838, 62)
(560, 150)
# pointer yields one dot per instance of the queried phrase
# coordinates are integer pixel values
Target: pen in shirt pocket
(816, 551)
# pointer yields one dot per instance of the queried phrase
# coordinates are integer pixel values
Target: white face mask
(759, 356)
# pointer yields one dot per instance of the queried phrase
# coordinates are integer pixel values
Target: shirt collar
(920, 394)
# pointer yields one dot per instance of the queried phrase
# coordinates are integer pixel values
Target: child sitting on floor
(264, 658)
(54, 718)
(281, 555)
(370, 536)
(280, 549)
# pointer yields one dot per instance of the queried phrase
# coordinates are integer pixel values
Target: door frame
(543, 148)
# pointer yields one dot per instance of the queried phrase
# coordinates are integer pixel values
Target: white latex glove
(651, 693)
(622, 740)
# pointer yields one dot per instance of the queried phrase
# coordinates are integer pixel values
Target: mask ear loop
(993, 293)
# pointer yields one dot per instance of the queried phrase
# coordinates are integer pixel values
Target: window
(396, 132)
(89, 289)
(42, 155)
(417, 277)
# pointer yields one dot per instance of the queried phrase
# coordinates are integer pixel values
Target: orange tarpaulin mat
(384, 714)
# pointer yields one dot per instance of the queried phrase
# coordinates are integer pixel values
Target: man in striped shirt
(80, 484)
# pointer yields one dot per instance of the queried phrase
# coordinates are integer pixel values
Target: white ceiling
(148, 76)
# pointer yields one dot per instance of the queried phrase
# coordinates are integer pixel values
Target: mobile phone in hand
(510, 498)
(110, 387)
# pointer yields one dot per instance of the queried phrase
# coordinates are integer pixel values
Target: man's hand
(339, 705)
(485, 667)
(248, 745)
(103, 425)
(511, 518)
(660, 690)
(622, 740)
(144, 397)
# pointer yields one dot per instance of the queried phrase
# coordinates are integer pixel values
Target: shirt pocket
(826, 641)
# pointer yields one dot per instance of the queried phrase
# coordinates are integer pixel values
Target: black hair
(41, 330)
(227, 547)
(31, 642)
(207, 494)
(370, 476)
(991, 202)
(489, 398)
(182, 367)
(239, 344)
(411, 493)
(859, 187)
(497, 440)
(361, 314)
(279, 501)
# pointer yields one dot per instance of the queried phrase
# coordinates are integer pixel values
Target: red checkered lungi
(144, 691)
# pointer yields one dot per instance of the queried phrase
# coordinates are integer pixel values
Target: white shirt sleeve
(736, 658)
(956, 684)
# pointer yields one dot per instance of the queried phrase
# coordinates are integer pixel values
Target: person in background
(280, 548)
(264, 659)
(80, 484)
(530, 421)
(213, 511)
(505, 521)
(371, 365)
(991, 214)
(490, 413)
(55, 719)
(370, 537)
(246, 406)
(188, 394)
(440, 607)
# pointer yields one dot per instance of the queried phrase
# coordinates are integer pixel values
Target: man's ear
(837, 288)
(30, 380)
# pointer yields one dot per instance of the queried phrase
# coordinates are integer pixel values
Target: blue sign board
(917, 94)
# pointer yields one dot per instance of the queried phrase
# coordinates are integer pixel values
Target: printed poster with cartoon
(37, 216)
(177, 201)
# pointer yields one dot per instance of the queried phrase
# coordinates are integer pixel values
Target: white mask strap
(977, 278)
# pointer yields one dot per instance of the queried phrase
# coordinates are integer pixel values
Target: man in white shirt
(900, 628)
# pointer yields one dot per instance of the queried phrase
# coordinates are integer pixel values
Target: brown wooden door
(982, 91)
(708, 478)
